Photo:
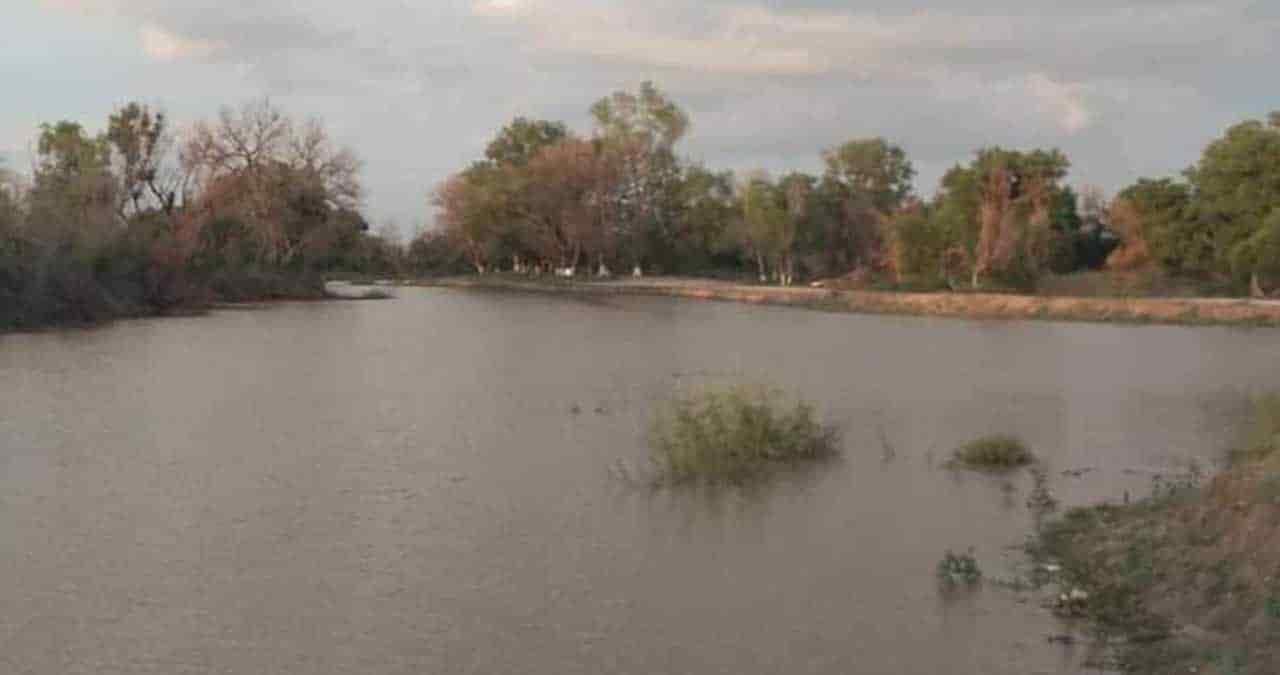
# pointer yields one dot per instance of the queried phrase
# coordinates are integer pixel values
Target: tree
(705, 204)
(521, 140)
(1256, 260)
(73, 192)
(565, 202)
(873, 168)
(1235, 186)
(764, 223)
(648, 116)
(1154, 221)
(866, 181)
(280, 177)
(1065, 226)
(640, 131)
(10, 202)
(474, 206)
(139, 144)
(1016, 193)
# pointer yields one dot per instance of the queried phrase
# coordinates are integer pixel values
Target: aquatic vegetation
(1041, 499)
(1180, 582)
(959, 569)
(736, 433)
(993, 453)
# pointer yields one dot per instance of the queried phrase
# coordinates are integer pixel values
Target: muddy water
(405, 487)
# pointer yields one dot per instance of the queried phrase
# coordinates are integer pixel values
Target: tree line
(619, 199)
(140, 219)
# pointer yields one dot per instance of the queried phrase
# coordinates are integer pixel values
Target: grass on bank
(1187, 580)
(736, 433)
(998, 452)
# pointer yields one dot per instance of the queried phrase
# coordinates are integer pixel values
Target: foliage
(522, 140)
(1220, 222)
(736, 433)
(993, 452)
(254, 206)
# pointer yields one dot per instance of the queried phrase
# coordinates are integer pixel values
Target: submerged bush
(959, 568)
(736, 433)
(993, 452)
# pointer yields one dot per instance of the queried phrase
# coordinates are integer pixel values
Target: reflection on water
(430, 484)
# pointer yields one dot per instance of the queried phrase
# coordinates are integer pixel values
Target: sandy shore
(1194, 311)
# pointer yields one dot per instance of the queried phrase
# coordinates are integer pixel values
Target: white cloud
(1064, 102)
(163, 45)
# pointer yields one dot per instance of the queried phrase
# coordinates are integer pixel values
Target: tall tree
(281, 177)
(139, 143)
(1236, 186)
(565, 202)
(73, 191)
(764, 223)
(1016, 194)
(474, 207)
(641, 130)
(866, 181)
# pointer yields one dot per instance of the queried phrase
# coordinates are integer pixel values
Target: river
(433, 484)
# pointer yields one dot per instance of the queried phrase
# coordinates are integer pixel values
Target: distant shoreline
(1172, 311)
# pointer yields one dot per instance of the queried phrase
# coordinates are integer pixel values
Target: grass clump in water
(957, 569)
(997, 452)
(735, 433)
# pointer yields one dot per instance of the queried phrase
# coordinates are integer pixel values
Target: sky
(1126, 88)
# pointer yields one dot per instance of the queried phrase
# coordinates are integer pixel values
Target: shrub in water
(959, 568)
(993, 452)
(735, 433)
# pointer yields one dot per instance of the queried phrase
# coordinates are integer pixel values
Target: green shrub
(993, 452)
(736, 433)
(959, 568)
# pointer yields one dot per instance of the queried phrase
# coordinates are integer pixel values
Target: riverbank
(13, 320)
(1191, 311)
(1186, 581)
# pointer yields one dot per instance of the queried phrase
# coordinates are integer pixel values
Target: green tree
(521, 140)
(865, 182)
(764, 225)
(640, 130)
(73, 192)
(1155, 220)
(1235, 186)
(475, 207)
(705, 207)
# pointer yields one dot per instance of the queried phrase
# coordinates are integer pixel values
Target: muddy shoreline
(1178, 311)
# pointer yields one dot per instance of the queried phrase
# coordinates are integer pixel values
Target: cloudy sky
(416, 87)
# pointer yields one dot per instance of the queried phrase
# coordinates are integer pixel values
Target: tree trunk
(764, 271)
(1255, 287)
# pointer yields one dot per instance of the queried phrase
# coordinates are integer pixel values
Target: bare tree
(280, 176)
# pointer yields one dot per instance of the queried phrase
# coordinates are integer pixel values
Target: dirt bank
(1187, 580)
(971, 305)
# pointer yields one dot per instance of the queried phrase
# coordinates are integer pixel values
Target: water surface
(405, 486)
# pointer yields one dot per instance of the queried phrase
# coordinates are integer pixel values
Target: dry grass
(1190, 578)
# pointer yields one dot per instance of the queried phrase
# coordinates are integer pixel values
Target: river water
(432, 484)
